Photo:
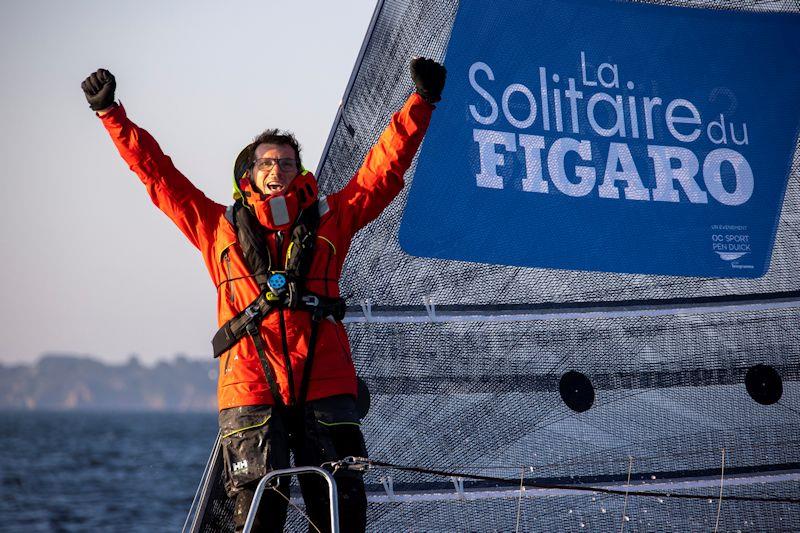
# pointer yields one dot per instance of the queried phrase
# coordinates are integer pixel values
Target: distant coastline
(68, 382)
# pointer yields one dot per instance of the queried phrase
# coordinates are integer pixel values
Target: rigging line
(578, 488)
(721, 481)
(644, 303)
(641, 459)
(627, 486)
(275, 488)
(519, 500)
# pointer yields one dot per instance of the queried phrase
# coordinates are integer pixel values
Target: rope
(627, 486)
(519, 500)
(582, 488)
(275, 488)
(721, 481)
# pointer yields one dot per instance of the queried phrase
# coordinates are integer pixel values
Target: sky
(90, 266)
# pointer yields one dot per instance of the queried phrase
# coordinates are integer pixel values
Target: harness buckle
(252, 328)
(311, 300)
(252, 311)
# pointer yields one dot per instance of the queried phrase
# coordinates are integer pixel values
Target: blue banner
(609, 136)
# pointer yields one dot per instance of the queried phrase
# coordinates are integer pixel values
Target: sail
(537, 398)
(469, 364)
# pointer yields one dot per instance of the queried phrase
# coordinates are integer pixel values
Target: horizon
(152, 363)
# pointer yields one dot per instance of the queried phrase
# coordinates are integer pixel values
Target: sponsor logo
(596, 108)
(731, 243)
(585, 135)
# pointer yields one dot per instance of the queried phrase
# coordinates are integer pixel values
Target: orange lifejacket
(285, 332)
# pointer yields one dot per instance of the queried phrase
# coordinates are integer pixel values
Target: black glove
(99, 89)
(428, 76)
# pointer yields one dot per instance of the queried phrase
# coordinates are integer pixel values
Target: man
(286, 380)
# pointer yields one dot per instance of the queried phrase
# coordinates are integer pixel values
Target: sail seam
(493, 314)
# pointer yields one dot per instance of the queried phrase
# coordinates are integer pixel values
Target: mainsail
(536, 399)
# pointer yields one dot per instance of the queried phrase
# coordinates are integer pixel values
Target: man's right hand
(99, 89)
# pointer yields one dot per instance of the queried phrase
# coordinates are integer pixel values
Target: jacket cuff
(417, 99)
(116, 116)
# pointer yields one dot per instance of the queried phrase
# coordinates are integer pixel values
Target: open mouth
(274, 186)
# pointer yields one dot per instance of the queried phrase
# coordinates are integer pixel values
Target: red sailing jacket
(369, 191)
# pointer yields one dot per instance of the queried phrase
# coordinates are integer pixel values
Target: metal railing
(262, 485)
(212, 470)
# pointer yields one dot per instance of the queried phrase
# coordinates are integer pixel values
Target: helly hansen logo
(240, 467)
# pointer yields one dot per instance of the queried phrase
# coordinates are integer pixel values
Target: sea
(101, 471)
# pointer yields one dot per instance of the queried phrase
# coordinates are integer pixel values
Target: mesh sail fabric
(378, 269)
(670, 394)
(671, 412)
(483, 396)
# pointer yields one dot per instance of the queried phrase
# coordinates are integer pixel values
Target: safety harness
(280, 289)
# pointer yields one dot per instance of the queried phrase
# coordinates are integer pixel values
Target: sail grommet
(577, 391)
(764, 384)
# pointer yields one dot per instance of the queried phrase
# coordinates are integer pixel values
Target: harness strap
(252, 329)
(294, 296)
(287, 362)
(232, 331)
(316, 318)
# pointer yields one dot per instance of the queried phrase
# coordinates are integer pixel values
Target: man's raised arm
(193, 213)
(380, 177)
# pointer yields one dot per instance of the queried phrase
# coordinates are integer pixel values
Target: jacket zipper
(279, 247)
(231, 289)
(227, 360)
